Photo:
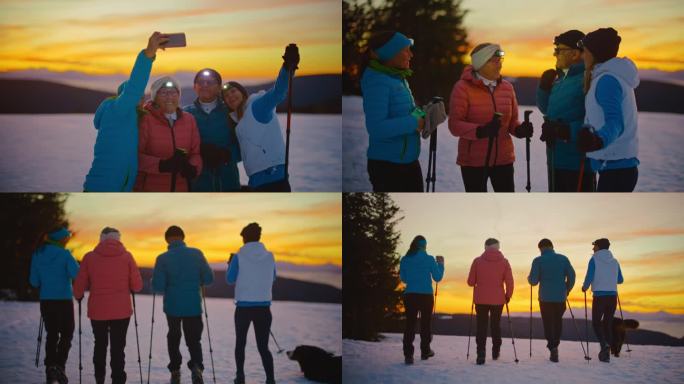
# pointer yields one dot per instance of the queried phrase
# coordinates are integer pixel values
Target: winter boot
(61, 376)
(52, 375)
(604, 355)
(120, 380)
(175, 377)
(429, 354)
(99, 380)
(496, 351)
(480, 356)
(554, 354)
(239, 379)
(408, 360)
(270, 381)
(197, 375)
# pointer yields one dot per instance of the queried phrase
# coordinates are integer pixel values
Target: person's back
(488, 274)
(418, 269)
(256, 273)
(554, 274)
(52, 269)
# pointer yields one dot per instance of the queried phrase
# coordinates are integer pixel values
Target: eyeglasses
(206, 82)
(167, 92)
(556, 50)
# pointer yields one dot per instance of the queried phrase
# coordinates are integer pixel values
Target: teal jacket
(52, 270)
(179, 273)
(554, 274)
(115, 161)
(218, 129)
(417, 270)
(565, 103)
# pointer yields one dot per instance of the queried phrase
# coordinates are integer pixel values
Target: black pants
(602, 312)
(104, 332)
(618, 180)
(414, 303)
(276, 186)
(552, 317)
(492, 314)
(261, 317)
(501, 177)
(566, 180)
(394, 177)
(192, 329)
(58, 316)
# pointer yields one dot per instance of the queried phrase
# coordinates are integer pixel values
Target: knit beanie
(164, 82)
(482, 53)
(603, 44)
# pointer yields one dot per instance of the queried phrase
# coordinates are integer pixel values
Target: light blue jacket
(115, 162)
(417, 270)
(52, 270)
(387, 105)
(554, 274)
(179, 273)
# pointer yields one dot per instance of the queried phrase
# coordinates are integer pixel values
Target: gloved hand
(588, 141)
(584, 289)
(291, 57)
(552, 130)
(525, 129)
(173, 163)
(188, 170)
(211, 155)
(547, 78)
(490, 129)
(440, 259)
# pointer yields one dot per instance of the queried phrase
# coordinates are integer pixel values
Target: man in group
(556, 277)
(181, 273)
(560, 97)
(219, 146)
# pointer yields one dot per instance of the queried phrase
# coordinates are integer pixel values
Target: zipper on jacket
(496, 138)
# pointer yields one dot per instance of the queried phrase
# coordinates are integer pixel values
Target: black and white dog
(318, 364)
(619, 331)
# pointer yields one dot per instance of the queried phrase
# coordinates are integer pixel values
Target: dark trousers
(602, 312)
(566, 180)
(192, 329)
(58, 316)
(552, 317)
(492, 314)
(104, 332)
(394, 177)
(261, 317)
(415, 303)
(618, 180)
(276, 186)
(501, 177)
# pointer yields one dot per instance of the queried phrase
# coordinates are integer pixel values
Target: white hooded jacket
(606, 269)
(256, 271)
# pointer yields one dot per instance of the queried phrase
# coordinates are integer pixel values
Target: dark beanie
(208, 72)
(603, 44)
(174, 231)
(235, 84)
(569, 38)
(602, 243)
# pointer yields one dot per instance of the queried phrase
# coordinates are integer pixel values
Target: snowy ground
(383, 362)
(294, 323)
(660, 152)
(54, 152)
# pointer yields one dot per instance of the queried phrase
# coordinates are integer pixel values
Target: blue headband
(59, 234)
(393, 46)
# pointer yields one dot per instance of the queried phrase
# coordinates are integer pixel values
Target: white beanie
(110, 233)
(166, 81)
(480, 58)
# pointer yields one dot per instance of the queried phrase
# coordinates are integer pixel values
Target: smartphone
(175, 40)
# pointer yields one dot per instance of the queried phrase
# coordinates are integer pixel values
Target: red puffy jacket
(472, 105)
(488, 273)
(155, 142)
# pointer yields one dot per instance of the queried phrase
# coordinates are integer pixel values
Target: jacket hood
(492, 255)
(604, 256)
(621, 67)
(110, 248)
(255, 250)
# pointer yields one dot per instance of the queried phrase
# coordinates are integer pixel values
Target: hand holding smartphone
(176, 40)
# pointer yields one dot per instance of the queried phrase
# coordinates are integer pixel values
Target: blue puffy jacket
(52, 270)
(554, 274)
(115, 161)
(179, 273)
(417, 270)
(387, 104)
(565, 103)
(216, 128)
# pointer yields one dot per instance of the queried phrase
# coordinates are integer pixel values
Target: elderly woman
(261, 140)
(110, 273)
(481, 104)
(169, 142)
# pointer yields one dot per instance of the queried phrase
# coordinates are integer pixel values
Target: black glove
(552, 130)
(584, 289)
(490, 129)
(524, 130)
(547, 78)
(188, 170)
(291, 57)
(173, 163)
(587, 141)
(211, 155)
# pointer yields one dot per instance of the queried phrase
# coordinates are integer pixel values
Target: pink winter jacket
(488, 273)
(472, 105)
(110, 273)
(155, 142)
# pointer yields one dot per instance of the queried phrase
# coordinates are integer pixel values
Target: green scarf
(402, 73)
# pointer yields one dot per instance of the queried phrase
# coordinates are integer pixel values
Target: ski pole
(289, 115)
(280, 350)
(527, 156)
(623, 319)
(80, 365)
(137, 341)
(40, 339)
(149, 359)
(586, 321)
(470, 325)
(530, 321)
(206, 317)
(586, 356)
(510, 325)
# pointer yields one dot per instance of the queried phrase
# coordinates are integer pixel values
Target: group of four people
(590, 122)
(492, 281)
(111, 275)
(156, 146)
